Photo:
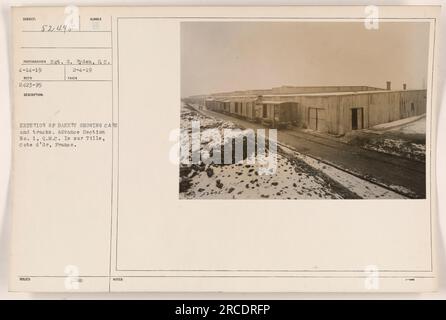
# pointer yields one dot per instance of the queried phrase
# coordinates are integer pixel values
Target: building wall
(328, 107)
(344, 118)
(334, 112)
(380, 108)
(396, 105)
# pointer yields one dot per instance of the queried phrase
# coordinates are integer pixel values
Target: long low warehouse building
(335, 112)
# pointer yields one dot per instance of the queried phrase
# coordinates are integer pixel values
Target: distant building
(332, 109)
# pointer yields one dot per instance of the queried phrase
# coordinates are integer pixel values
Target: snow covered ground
(297, 176)
(404, 138)
(241, 181)
(415, 125)
(361, 187)
(399, 147)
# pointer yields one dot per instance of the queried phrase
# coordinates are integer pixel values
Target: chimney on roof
(259, 98)
(389, 85)
(404, 86)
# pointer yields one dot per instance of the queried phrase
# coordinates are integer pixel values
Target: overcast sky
(227, 56)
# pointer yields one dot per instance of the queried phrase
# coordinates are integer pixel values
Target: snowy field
(411, 125)
(297, 176)
(404, 138)
(239, 181)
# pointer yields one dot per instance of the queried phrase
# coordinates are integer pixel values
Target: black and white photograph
(303, 110)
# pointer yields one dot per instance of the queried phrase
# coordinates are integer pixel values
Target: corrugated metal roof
(335, 93)
(276, 102)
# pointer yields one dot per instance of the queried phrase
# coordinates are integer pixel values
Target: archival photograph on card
(303, 110)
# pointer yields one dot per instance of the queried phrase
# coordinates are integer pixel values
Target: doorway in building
(265, 111)
(316, 119)
(357, 119)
